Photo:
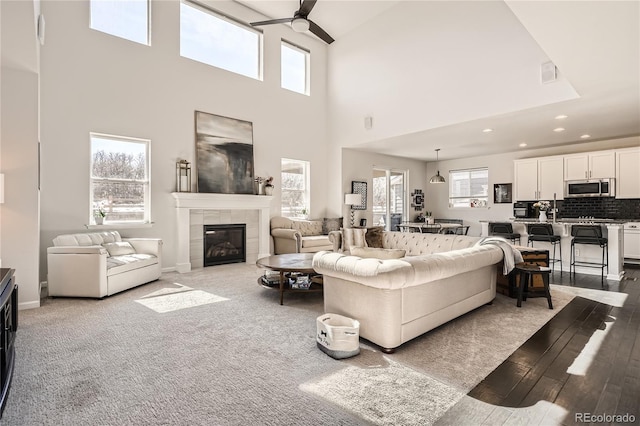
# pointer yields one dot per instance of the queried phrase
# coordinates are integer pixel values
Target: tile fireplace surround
(193, 210)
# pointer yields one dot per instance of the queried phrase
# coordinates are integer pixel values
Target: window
(295, 188)
(294, 66)
(217, 40)
(128, 19)
(469, 188)
(120, 178)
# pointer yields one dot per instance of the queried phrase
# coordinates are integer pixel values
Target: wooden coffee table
(287, 264)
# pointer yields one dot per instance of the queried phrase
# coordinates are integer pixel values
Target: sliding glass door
(389, 198)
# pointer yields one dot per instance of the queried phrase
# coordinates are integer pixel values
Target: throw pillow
(119, 248)
(377, 253)
(331, 224)
(353, 237)
(374, 236)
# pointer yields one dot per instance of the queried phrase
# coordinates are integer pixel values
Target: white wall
(500, 171)
(93, 81)
(19, 226)
(359, 165)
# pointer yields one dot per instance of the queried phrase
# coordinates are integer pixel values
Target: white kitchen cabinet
(628, 173)
(590, 165)
(538, 178)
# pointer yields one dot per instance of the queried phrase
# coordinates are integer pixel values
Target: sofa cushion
(129, 262)
(374, 236)
(377, 253)
(315, 241)
(353, 237)
(119, 248)
(87, 239)
(331, 224)
(307, 227)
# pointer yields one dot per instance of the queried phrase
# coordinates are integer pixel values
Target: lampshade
(300, 25)
(437, 178)
(352, 199)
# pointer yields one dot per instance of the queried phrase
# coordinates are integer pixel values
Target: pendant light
(437, 178)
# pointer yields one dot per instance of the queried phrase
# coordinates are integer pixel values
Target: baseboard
(169, 269)
(29, 305)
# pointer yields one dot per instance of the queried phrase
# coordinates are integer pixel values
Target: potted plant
(99, 215)
(268, 186)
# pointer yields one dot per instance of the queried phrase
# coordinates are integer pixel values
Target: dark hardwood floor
(585, 360)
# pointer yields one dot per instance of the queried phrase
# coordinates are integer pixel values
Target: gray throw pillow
(331, 224)
(374, 236)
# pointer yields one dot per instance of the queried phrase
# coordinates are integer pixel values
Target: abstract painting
(224, 154)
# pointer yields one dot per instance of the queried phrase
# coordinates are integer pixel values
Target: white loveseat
(395, 300)
(100, 264)
(300, 235)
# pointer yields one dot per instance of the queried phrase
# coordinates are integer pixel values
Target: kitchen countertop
(574, 221)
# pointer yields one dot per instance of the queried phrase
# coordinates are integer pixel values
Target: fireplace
(224, 244)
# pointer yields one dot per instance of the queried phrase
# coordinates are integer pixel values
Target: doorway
(389, 198)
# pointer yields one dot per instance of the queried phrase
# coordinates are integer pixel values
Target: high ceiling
(595, 45)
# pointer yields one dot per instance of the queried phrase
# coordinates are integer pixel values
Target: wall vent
(548, 72)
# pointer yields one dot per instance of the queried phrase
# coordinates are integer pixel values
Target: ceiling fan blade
(315, 29)
(306, 7)
(272, 21)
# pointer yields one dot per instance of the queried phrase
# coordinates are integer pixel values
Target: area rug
(427, 376)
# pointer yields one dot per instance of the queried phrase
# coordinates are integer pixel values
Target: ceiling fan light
(300, 25)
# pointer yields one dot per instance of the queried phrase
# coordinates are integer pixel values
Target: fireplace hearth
(224, 244)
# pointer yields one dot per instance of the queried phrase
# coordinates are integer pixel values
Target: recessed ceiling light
(561, 117)
(585, 136)
(487, 130)
(559, 129)
(522, 145)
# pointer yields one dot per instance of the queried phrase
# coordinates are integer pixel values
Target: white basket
(338, 336)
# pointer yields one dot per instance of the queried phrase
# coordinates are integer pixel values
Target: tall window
(295, 188)
(128, 19)
(217, 40)
(469, 188)
(294, 68)
(388, 198)
(120, 178)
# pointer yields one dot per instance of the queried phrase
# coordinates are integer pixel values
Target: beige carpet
(213, 347)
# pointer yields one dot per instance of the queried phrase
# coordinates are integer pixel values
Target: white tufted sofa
(100, 264)
(442, 277)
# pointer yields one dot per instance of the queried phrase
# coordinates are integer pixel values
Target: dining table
(432, 228)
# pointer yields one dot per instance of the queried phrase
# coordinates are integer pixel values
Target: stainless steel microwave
(590, 188)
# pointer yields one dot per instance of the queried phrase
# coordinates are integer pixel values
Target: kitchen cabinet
(538, 178)
(590, 165)
(628, 173)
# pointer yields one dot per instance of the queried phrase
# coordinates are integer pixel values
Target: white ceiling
(595, 45)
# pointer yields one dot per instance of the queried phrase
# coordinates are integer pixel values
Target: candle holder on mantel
(183, 176)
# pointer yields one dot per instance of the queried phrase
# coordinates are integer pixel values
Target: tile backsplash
(603, 208)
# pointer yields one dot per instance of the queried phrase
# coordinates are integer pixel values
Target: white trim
(28, 305)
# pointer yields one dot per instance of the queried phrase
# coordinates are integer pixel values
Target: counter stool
(504, 230)
(544, 232)
(526, 272)
(590, 235)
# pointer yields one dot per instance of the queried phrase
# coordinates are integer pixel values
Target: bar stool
(544, 232)
(590, 235)
(504, 230)
(526, 272)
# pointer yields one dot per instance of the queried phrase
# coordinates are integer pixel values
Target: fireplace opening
(224, 244)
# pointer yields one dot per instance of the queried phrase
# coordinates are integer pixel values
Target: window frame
(231, 20)
(307, 66)
(306, 166)
(148, 23)
(145, 182)
(482, 199)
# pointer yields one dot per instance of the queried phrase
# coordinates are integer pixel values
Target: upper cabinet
(590, 165)
(628, 173)
(538, 179)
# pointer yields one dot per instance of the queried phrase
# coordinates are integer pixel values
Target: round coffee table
(288, 264)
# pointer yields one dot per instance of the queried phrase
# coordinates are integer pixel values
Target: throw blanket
(511, 254)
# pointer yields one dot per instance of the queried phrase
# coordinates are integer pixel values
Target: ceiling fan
(300, 23)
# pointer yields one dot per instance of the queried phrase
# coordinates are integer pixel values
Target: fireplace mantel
(187, 201)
